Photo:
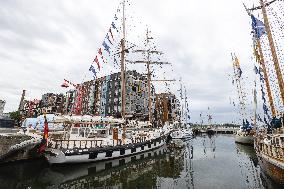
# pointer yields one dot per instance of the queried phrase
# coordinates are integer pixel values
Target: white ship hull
(248, 140)
(84, 155)
(180, 134)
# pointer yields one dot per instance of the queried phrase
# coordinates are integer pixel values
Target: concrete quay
(14, 146)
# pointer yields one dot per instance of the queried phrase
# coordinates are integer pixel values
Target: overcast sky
(42, 42)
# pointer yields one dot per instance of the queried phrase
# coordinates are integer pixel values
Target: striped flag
(43, 143)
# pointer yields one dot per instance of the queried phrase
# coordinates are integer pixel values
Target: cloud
(43, 42)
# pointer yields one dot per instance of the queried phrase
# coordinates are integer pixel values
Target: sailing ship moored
(269, 141)
(245, 135)
(93, 139)
(98, 139)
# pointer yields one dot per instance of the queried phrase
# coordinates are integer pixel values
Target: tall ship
(98, 138)
(182, 129)
(245, 135)
(269, 140)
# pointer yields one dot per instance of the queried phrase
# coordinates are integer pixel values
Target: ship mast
(122, 72)
(149, 78)
(236, 65)
(181, 99)
(265, 74)
(273, 51)
(148, 62)
(260, 57)
(185, 107)
(122, 65)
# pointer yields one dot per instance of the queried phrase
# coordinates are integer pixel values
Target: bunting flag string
(107, 36)
(264, 106)
(114, 27)
(101, 55)
(92, 69)
(106, 47)
(111, 33)
(115, 61)
(98, 63)
(115, 17)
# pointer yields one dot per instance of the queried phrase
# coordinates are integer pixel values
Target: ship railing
(71, 144)
(84, 144)
(278, 131)
(273, 151)
(139, 139)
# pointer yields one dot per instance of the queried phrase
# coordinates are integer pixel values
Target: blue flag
(113, 26)
(107, 36)
(92, 69)
(106, 47)
(239, 72)
(256, 70)
(258, 27)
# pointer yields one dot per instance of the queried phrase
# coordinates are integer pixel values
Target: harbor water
(204, 162)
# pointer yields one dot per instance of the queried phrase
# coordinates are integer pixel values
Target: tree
(16, 116)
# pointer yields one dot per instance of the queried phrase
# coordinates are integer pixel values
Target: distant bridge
(215, 129)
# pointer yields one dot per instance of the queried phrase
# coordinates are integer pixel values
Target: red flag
(43, 143)
(101, 53)
(97, 61)
(110, 33)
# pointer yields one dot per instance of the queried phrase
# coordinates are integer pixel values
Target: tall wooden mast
(122, 65)
(149, 78)
(265, 74)
(122, 72)
(273, 51)
(260, 57)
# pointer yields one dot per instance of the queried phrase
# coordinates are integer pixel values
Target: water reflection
(204, 162)
(248, 164)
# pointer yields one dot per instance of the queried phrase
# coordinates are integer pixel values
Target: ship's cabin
(278, 140)
(82, 131)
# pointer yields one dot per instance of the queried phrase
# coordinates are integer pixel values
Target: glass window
(81, 132)
(74, 131)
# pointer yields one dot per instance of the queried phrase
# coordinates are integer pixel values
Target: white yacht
(98, 139)
(179, 132)
(245, 135)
